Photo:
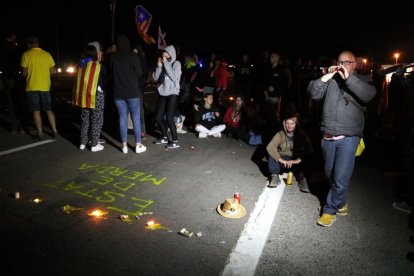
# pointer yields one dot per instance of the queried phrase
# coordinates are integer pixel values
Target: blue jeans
(339, 158)
(124, 106)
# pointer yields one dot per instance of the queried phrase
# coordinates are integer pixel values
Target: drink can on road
(289, 178)
(237, 196)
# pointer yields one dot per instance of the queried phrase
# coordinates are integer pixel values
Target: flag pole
(112, 4)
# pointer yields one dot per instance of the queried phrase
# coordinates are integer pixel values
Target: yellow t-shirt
(38, 63)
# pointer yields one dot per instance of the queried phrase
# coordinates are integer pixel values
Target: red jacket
(232, 119)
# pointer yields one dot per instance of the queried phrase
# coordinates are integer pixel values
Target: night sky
(64, 27)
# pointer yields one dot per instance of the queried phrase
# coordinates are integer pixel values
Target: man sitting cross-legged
(206, 119)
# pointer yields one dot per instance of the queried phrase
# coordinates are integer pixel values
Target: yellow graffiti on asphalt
(110, 185)
(128, 174)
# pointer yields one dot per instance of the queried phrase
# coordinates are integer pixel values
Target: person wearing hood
(89, 95)
(167, 73)
(126, 72)
(287, 151)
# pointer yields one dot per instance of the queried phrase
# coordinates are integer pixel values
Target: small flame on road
(97, 213)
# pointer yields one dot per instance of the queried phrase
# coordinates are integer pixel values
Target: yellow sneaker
(343, 211)
(326, 220)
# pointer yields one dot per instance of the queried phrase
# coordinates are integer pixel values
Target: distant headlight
(70, 70)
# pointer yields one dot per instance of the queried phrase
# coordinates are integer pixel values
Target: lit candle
(97, 213)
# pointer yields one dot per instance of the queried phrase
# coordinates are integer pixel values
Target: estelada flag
(161, 39)
(84, 94)
(143, 20)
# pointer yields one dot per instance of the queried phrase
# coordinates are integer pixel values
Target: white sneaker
(96, 148)
(217, 135)
(124, 149)
(181, 130)
(202, 135)
(100, 141)
(140, 149)
(82, 147)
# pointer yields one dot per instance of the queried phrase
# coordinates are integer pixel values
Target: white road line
(26, 147)
(246, 254)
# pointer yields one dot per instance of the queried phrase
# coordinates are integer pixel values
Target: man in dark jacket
(345, 94)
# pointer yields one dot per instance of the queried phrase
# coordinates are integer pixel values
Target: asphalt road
(182, 188)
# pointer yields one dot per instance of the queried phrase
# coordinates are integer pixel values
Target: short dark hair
(31, 39)
(205, 95)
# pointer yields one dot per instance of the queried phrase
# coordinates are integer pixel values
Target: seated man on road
(206, 117)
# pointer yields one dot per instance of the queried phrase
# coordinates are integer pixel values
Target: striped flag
(84, 94)
(143, 20)
(161, 39)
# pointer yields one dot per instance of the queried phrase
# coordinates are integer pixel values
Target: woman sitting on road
(287, 150)
(234, 114)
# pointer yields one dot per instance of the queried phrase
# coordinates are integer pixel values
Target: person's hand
(343, 72)
(217, 114)
(233, 115)
(331, 72)
(289, 163)
(159, 62)
(286, 163)
(196, 107)
(294, 162)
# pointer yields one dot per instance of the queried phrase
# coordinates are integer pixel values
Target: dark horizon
(228, 31)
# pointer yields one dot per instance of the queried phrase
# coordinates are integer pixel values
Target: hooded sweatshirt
(169, 73)
(126, 71)
(283, 145)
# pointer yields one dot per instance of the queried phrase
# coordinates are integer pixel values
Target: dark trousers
(167, 105)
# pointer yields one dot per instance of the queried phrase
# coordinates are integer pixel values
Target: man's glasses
(345, 62)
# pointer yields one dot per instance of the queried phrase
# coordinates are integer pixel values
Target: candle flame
(97, 213)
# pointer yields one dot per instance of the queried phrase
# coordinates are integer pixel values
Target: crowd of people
(270, 102)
